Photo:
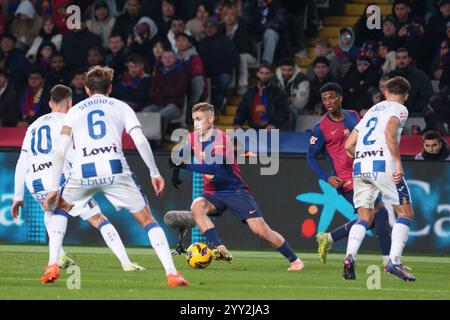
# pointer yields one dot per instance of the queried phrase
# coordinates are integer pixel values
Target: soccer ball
(198, 255)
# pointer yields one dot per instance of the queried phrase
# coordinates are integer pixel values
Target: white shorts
(86, 212)
(122, 190)
(367, 186)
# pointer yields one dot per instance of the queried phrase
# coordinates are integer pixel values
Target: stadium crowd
(169, 54)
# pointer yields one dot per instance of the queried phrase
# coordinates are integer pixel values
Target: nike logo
(333, 132)
(253, 211)
(401, 189)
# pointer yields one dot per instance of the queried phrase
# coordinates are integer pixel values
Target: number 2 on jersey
(40, 136)
(372, 123)
(92, 125)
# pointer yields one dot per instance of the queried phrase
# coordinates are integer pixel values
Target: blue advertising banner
(294, 202)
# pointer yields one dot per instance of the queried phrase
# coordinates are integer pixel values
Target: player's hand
(398, 173)
(335, 182)
(15, 208)
(50, 201)
(158, 185)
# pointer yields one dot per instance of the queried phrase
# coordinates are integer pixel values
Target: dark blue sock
(287, 251)
(342, 231)
(212, 238)
(383, 230)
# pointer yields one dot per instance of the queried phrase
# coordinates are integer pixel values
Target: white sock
(113, 241)
(399, 236)
(330, 238)
(56, 226)
(355, 238)
(159, 243)
(61, 252)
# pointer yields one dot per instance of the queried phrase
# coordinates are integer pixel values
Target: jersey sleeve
(401, 113)
(26, 144)
(131, 120)
(316, 144)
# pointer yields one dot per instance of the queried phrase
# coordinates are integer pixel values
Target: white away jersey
(97, 125)
(372, 153)
(40, 141)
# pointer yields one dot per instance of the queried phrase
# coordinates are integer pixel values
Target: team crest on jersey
(402, 115)
(313, 140)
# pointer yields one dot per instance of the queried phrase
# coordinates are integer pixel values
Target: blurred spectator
(438, 23)
(76, 44)
(241, 39)
(386, 56)
(266, 20)
(322, 48)
(322, 75)
(434, 147)
(60, 14)
(77, 85)
(15, 60)
(163, 22)
(193, 64)
(421, 89)
(296, 16)
(158, 47)
(196, 25)
(356, 84)
(177, 26)
(437, 115)
(294, 84)
(442, 56)
(362, 33)
(45, 51)
(57, 72)
(401, 10)
(346, 51)
(414, 37)
(102, 21)
(220, 57)
(48, 32)
(116, 55)
(382, 83)
(34, 99)
(390, 32)
(95, 57)
(26, 25)
(220, 4)
(132, 87)
(144, 34)
(370, 50)
(125, 22)
(8, 101)
(168, 89)
(2, 59)
(264, 105)
(2, 21)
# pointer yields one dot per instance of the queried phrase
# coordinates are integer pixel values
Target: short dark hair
(115, 35)
(332, 86)
(323, 60)
(59, 93)
(403, 49)
(98, 79)
(4, 72)
(287, 62)
(35, 69)
(398, 86)
(432, 135)
(264, 65)
(135, 58)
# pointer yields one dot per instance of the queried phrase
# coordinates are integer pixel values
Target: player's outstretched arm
(19, 182)
(58, 159)
(316, 144)
(391, 134)
(350, 144)
(145, 151)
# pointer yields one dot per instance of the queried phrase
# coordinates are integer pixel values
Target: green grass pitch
(251, 275)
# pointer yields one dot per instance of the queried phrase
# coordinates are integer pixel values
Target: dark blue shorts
(349, 197)
(241, 204)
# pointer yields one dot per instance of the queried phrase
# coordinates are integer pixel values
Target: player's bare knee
(199, 207)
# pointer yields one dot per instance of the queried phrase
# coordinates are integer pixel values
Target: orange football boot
(176, 280)
(51, 273)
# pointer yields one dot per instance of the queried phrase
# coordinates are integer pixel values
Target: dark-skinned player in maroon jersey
(328, 137)
(224, 187)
